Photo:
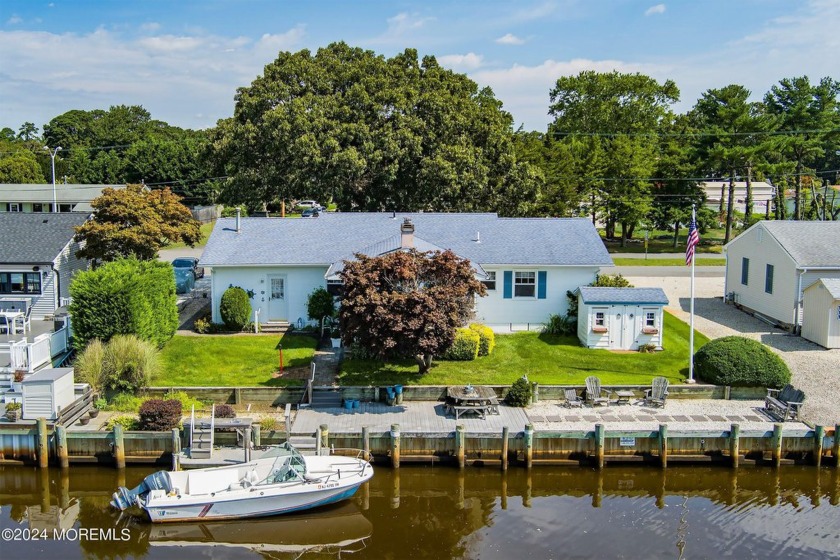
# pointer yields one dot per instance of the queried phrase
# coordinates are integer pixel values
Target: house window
(20, 282)
(768, 279)
(335, 287)
(37, 207)
(490, 281)
(525, 284)
(600, 319)
(650, 318)
(745, 271)
(65, 207)
(14, 207)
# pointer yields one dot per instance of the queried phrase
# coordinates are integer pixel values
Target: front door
(277, 308)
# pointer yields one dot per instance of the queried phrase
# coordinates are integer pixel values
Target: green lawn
(205, 233)
(234, 360)
(641, 261)
(547, 359)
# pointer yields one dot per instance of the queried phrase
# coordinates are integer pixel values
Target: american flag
(693, 241)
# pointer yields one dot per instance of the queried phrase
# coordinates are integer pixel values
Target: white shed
(47, 392)
(620, 318)
(821, 312)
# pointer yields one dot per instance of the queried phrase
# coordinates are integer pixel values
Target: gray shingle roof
(593, 294)
(809, 243)
(43, 193)
(36, 237)
(832, 285)
(336, 235)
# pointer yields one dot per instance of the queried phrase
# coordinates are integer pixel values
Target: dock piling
(819, 434)
(246, 443)
(504, 457)
(395, 445)
(325, 437)
(176, 449)
(61, 446)
(366, 442)
(257, 435)
(460, 445)
(735, 444)
(43, 447)
(599, 446)
(777, 444)
(119, 447)
(529, 445)
(663, 445)
(836, 450)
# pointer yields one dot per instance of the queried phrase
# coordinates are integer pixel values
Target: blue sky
(184, 60)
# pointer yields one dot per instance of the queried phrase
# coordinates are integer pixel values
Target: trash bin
(398, 389)
(348, 404)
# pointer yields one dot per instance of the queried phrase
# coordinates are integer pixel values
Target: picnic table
(474, 399)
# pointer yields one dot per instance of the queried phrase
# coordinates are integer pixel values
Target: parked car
(190, 263)
(184, 280)
(310, 213)
(308, 204)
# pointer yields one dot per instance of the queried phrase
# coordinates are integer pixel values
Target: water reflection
(440, 513)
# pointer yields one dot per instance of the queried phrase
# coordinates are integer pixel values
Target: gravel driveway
(815, 369)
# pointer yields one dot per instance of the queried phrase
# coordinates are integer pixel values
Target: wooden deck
(430, 417)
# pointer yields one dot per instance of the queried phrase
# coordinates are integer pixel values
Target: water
(621, 512)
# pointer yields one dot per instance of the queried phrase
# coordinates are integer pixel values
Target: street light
(52, 157)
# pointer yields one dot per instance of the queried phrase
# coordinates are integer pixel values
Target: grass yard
(641, 261)
(234, 360)
(206, 229)
(547, 359)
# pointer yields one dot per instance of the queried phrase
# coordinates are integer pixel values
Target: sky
(183, 60)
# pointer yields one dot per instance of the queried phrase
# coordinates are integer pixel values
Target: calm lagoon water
(621, 512)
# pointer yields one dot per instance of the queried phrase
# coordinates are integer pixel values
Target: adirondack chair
(658, 392)
(572, 398)
(784, 404)
(594, 394)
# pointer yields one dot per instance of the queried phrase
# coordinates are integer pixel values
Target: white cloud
(657, 9)
(272, 43)
(14, 20)
(403, 28)
(461, 62)
(150, 26)
(509, 39)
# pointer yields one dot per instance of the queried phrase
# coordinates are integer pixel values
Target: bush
(487, 340)
(126, 296)
(88, 365)
(126, 421)
(465, 347)
(607, 281)
(235, 308)
(519, 393)
(202, 325)
(269, 424)
(320, 304)
(740, 362)
(12, 406)
(123, 402)
(187, 402)
(157, 415)
(560, 325)
(230, 211)
(647, 348)
(128, 363)
(224, 411)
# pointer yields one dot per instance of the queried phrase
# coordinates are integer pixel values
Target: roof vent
(238, 219)
(393, 215)
(478, 237)
(407, 234)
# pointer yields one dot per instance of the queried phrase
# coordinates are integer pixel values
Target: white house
(39, 197)
(527, 264)
(769, 265)
(762, 194)
(621, 318)
(821, 312)
(38, 258)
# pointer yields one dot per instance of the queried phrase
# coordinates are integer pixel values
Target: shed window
(768, 279)
(600, 318)
(650, 318)
(745, 271)
(20, 282)
(490, 281)
(525, 284)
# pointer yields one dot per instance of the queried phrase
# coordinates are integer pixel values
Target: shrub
(465, 347)
(202, 325)
(123, 402)
(126, 421)
(12, 406)
(126, 296)
(487, 340)
(268, 424)
(647, 348)
(235, 308)
(740, 362)
(157, 415)
(320, 304)
(88, 365)
(224, 411)
(519, 393)
(608, 281)
(230, 211)
(560, 325)
(100, 403)
(128, 363)
(187, 402)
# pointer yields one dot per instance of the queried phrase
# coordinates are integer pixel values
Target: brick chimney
(407, 234)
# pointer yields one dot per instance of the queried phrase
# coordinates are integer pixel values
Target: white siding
(821, 322)
(495, 310)
(67, 264)
(41, 304)
(625, 325)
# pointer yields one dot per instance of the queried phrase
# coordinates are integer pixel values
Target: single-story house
(527, 264)
(620, 318)
(821, 312)
(39, 197)
(763, 193)
(769, 265)
(38, 258)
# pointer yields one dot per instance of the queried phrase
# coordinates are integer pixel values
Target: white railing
(29, 356)
(39, 352)
(59, 341)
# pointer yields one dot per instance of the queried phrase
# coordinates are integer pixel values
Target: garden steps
(326, 398)
(279, 327)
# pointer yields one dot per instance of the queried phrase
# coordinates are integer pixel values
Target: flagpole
(691, 311)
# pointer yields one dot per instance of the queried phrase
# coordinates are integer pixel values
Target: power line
(700, 134)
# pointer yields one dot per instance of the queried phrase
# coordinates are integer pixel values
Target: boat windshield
(288, 466)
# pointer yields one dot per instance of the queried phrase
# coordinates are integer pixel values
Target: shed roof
(592, 294)
(336, 235)
(810, 244)
(831, 284)
(36, 237)
(48, 375)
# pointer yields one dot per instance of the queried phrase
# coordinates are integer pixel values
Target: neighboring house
(821, 312)
(39, 197)
(527, 264)
(762, 194)
(38, 258)
(620, 318)
(769, 265)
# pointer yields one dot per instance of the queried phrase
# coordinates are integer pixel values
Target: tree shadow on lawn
(373, 372)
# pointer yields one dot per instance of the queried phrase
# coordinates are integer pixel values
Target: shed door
(834, 327)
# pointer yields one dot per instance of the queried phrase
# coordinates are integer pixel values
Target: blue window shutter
(508, 284)
(541, 277)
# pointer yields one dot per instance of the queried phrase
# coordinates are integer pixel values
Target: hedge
(235, 308)
(465, 347)
(740, 362)
(488, 339)
(126, 296)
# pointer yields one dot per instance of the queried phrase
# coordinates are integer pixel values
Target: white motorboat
(281, 481)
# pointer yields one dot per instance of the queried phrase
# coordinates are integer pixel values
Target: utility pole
(52, 157)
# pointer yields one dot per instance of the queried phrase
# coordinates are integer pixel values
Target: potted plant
(335, 338)
(98, 405)
(13, 411)
(84, 420)
(18, 379)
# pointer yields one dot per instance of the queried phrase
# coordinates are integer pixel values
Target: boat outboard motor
(124, 498)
